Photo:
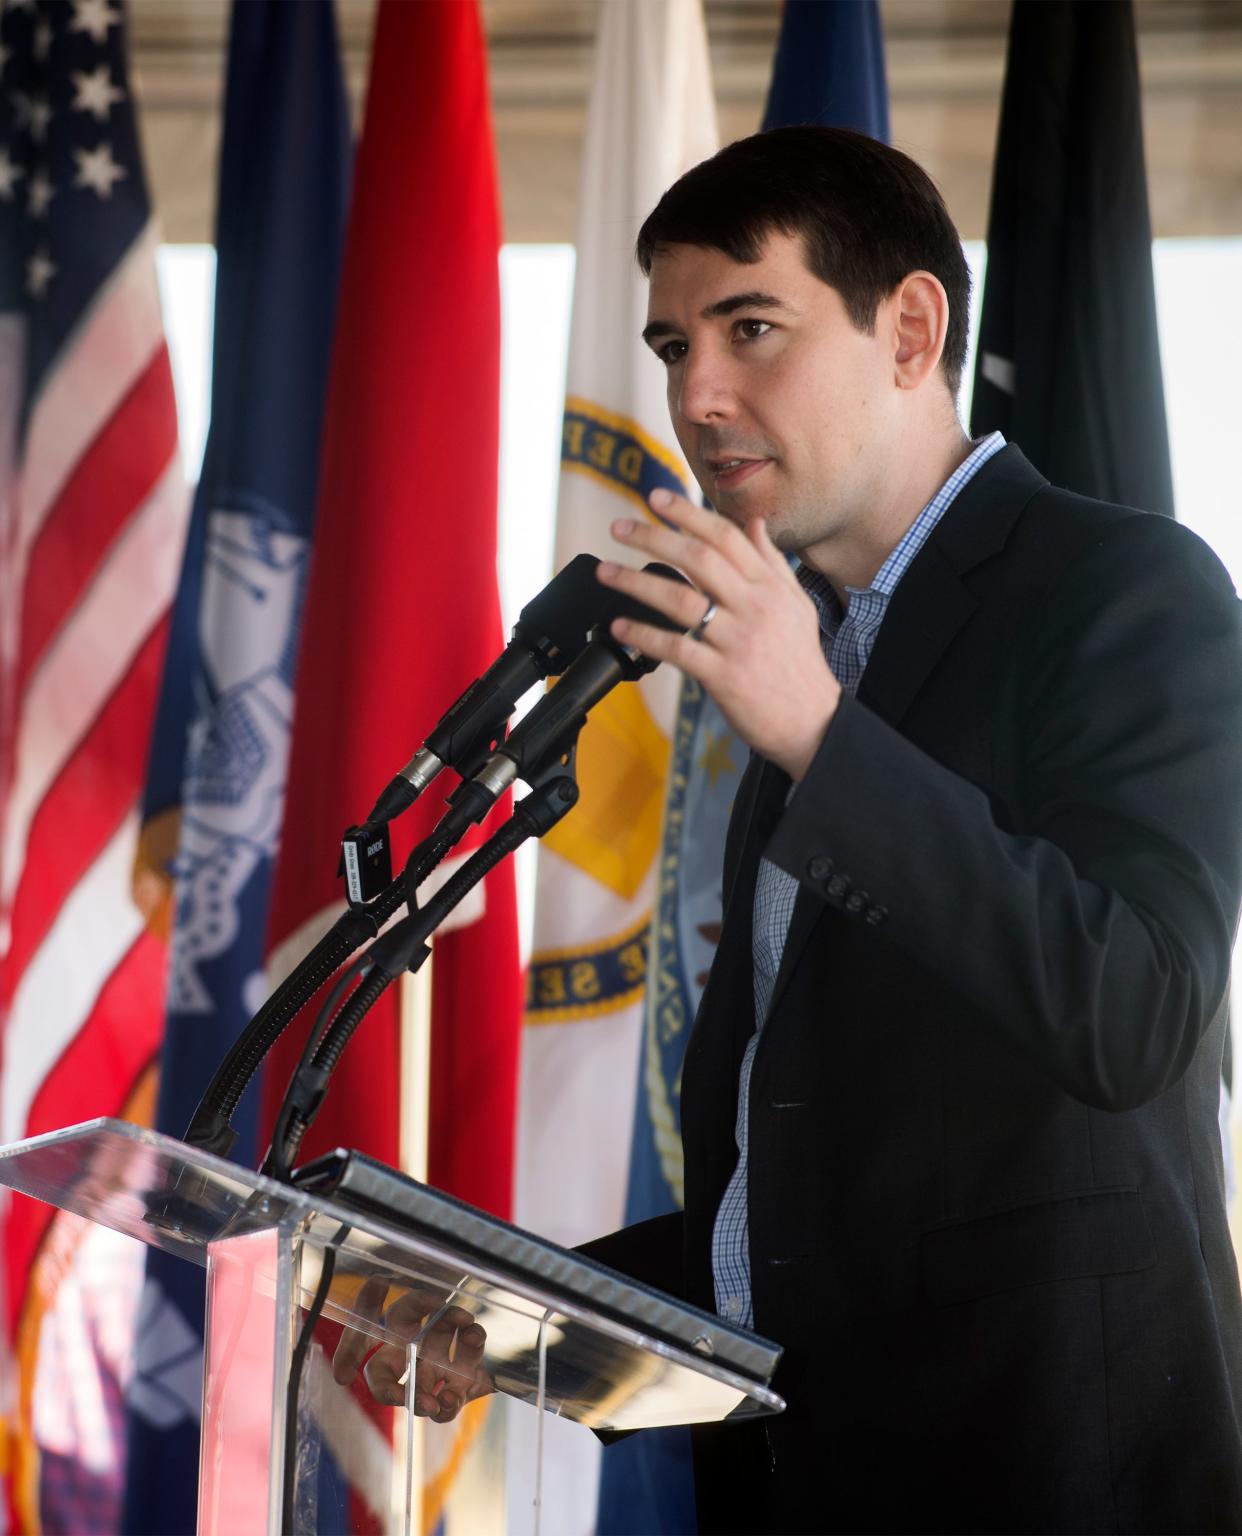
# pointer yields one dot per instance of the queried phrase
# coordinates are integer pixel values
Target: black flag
(1068, 365)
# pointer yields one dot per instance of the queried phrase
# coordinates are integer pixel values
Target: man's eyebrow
(752, 299)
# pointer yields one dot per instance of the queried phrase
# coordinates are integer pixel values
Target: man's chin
(742, 514)
(781, 534)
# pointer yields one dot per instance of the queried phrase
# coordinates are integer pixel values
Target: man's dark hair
(867, 214)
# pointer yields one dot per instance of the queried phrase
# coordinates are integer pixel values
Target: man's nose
(705, 391)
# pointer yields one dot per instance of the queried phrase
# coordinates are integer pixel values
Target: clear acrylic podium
(358, 1245)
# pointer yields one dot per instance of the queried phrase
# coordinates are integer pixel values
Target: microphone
(546, 734)
(552, 726)
(550, 633)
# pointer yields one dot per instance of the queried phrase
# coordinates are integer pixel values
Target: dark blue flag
(216, 782)
(829, 69)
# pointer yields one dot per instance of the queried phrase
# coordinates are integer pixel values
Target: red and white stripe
(95, 522)
(94, 928)
(115, 342)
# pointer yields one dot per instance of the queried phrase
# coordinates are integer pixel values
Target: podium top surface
(590, 1344)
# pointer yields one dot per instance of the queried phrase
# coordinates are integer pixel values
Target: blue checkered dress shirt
(847, 637)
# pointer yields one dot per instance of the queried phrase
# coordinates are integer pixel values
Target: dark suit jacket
(986, 1199)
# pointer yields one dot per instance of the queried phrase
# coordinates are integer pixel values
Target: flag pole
(415, 1060)
(409, 1440)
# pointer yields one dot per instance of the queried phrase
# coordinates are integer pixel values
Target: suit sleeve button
(819, 868)
(876, 915)
(837, 886)
(855, 902)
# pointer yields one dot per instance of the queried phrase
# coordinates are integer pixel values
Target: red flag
(402, 609)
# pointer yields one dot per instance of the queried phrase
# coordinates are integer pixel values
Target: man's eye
(751, 330)
(671, 352)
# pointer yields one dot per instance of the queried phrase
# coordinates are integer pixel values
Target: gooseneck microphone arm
(536, 751)
(550, 634)
(546, 734)
(210, 1127)
(403, 947)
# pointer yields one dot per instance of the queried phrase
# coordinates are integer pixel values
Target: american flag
(92, 520)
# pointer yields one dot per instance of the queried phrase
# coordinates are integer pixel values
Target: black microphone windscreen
(557, 620)
(626, 607)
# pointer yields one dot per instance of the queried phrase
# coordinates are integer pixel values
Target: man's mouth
(731, 472)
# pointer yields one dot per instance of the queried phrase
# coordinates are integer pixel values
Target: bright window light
(1201, 388)
(187, 278)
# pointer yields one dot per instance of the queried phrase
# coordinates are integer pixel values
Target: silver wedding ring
(698, 629)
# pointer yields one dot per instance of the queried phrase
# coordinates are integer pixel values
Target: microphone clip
(553, 794)
(366, 862)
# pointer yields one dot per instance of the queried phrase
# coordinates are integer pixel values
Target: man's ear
(919, 314)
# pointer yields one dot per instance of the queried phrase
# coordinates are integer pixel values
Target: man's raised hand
(759, 655)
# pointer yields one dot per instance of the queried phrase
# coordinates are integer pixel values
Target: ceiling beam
(945, 68)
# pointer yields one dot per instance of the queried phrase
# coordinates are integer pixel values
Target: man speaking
(950, 1103)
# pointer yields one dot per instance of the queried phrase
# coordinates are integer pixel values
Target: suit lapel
(933, 599)
(926, 612)
(807, 912)
(760, 803)
(931, 604)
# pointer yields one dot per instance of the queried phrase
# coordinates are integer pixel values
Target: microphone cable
(403, 947)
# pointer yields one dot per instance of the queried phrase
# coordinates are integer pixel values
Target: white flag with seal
(652, 116)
